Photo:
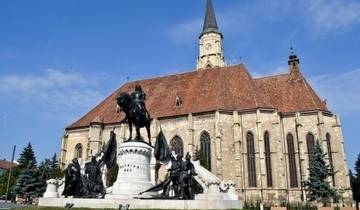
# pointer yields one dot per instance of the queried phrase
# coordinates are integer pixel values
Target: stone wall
(228, 132)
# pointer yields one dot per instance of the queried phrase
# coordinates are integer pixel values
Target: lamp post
(10, 171)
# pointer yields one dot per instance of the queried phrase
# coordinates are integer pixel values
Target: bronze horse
(135, 115)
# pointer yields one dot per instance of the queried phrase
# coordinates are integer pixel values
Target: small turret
(294, 66)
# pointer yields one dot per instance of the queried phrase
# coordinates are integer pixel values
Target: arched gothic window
(268, 159)
(328, 142)
(251, 159)
(310, 142)
(177, 145)
(292, 160)
(78, 151)
(205, 149)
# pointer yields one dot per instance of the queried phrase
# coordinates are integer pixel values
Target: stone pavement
(9, 205)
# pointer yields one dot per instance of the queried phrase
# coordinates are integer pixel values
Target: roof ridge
(194, 71)
(271, 76)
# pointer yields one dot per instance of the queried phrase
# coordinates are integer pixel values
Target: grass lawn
(58, 208)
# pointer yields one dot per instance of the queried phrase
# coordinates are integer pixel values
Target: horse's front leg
(137, 132)
(130, 130)
(148, 132)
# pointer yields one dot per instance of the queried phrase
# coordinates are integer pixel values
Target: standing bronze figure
(93, 186)
(72, 179)
(136, 113)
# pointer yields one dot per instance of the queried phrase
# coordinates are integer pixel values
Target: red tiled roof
(226, 88)
(6, 164)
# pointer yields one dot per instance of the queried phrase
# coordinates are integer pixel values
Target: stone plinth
(277, 208)
(134, 170)
(51, 189)
(143, 204)
(325, 208)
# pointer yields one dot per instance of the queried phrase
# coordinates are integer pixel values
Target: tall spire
(210, 24)
(210, 42)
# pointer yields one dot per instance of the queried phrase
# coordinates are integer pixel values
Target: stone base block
(277, 208)
(325, 208)
(142, 204)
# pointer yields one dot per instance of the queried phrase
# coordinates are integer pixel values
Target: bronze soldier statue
(72, 179)
(139, 97)
(93, 179)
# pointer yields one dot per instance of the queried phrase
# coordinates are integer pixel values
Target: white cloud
(330, 15)
(53, 87)
(278, 70)
(186, 32)
(311, 16)
(340, 90)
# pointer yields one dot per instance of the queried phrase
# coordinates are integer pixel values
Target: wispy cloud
(340, 90)
(319, 16)
(185, 32)
(4, 120)
(53, 87)
(330, 15)
(276, 71)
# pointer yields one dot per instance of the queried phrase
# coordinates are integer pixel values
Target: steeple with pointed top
(210, 24)
(211, 41)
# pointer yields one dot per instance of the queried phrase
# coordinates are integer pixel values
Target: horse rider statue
(139, 97)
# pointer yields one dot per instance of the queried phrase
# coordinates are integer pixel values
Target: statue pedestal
(51, 189)
(134, 170)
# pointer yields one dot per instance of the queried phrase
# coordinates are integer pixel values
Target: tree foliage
(355, 181)
(49, 169)
(28, 183)
(4, 178)
(317, 186)
(28, 180)
(27, 156)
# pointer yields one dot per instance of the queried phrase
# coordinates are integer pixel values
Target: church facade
(256, 132)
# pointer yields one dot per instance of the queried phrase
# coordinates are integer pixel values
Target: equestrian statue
(133, 105)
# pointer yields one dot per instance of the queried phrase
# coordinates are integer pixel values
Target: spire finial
(292, 51)
(293, 57)
(210, 23)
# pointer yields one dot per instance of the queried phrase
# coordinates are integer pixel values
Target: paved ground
(4, 205)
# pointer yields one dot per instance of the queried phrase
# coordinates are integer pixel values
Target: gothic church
(256, 132)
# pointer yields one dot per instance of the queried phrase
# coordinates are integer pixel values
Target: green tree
(4, 178)
(27, 156)
(317, 186)
(355, 182)
(28, 184)
(49, 169)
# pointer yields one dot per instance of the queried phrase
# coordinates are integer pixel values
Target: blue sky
(60, 58)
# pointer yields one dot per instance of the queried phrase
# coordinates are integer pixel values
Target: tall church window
(251, 159)
(268, 159)
(177, 145)
(78, 151)
(292, 160)
(205, 149)
(328, 142)
(310, 142)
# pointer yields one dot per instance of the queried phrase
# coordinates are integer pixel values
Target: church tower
(211, 42)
